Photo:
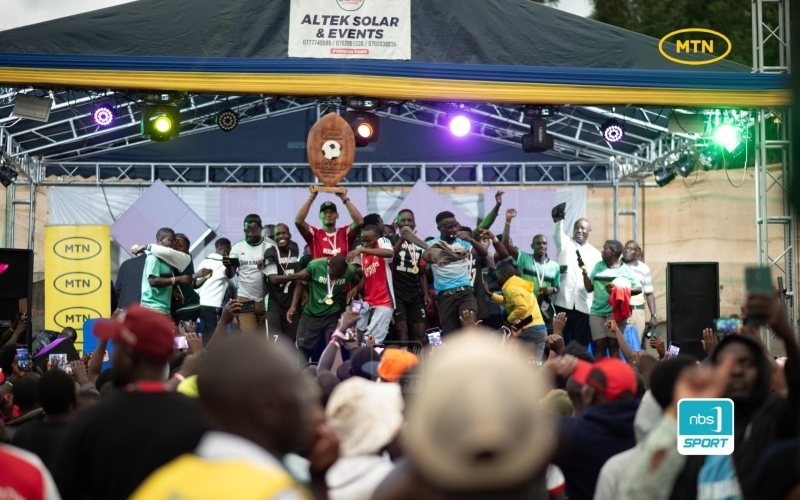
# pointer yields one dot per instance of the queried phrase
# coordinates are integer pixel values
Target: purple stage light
(460, 126)
(103, 116)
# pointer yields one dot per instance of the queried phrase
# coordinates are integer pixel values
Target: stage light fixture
(161, 123)
(7, 176)
(227, 120)
(460, 125)
(538, 140)
(613, 131)
(103, 116)
(728, 136)
(664, 177)
(365, 125)
(685, 165)
(709, 157)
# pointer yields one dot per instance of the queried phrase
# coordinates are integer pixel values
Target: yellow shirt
(519, 301)
(225, 466)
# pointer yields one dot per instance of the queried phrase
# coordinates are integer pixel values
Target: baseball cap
(366, 416)
(394, 363)
(617, 375)
(327, 205)
(474, 426)
(146, 331)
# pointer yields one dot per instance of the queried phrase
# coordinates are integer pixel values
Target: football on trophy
(331, 150)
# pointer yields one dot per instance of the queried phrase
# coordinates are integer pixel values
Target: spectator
(367, 417)
(214, 287)
(56, 392)
(653, 404)
(605, 427)
(474, 431)
(113, 446)
(185, 304)
(260, 407)
(25, 398)
(24, 476)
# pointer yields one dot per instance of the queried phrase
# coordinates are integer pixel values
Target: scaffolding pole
(776, 221)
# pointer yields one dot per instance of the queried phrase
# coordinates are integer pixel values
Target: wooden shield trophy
(331, 149)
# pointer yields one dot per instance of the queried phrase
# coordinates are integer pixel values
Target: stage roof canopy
(500, 51)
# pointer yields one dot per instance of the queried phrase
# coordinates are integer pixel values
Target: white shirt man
(572, 296)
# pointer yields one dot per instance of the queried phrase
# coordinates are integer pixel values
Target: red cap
(581, 372)
(145, 330)
(619, 377)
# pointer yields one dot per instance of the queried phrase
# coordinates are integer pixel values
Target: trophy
(331, 149)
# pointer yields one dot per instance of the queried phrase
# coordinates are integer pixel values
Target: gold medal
(329, 300)
(414, 270)
(335, 252)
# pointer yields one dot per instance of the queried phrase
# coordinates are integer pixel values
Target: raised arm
(487, 221)
(358, 220)
(174, 258)
(477, 248)
(512, 250)
(302, 215)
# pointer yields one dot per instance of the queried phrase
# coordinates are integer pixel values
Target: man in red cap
(605, 427)
(113, 446)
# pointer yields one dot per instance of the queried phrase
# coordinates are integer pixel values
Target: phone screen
(434, 337)
(356, 306)
(674, 349)
(728, 326)
(58, 361)
(23, 358)
(248, 306)
(180, 342)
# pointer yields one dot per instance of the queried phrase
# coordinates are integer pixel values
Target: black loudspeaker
(16, 284)
(692, 300)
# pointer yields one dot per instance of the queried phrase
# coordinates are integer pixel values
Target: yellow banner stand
(77, 275)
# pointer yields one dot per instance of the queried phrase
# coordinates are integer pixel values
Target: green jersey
(319, 290)
(158, 299)
(602, 275)
(541, 275)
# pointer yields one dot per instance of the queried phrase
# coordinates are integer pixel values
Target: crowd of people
(376, 363)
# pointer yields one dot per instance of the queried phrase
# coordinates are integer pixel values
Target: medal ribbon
(332, 244)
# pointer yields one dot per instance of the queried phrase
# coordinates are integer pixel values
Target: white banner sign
(350, 29)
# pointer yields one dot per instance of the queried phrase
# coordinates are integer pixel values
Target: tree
(657, 18)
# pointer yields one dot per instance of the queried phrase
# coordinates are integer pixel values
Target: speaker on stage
(16, 285)
(692, 301)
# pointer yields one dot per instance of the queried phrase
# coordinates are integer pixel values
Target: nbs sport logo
(705, 426)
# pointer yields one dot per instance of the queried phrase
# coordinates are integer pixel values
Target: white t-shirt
(251, 278)
(213, 289)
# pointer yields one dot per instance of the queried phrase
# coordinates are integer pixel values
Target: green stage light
(728, 136)
(161, 122)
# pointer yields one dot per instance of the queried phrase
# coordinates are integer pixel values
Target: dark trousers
(209, 319)
(451, 305)
(276, 321)
(577, 327)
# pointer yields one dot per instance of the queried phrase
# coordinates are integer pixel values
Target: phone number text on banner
(77, 275)
(350, 29)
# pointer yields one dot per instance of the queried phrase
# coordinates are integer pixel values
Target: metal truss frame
(781, 256)
(297, 174)
(195, 118)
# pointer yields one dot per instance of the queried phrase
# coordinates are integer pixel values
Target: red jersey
(24, 476)
(328, 245)
(378, 289)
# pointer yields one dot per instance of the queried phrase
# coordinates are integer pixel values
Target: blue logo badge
(705, 426)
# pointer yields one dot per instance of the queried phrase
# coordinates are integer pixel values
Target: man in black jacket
(128, 285)
(761, 418)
